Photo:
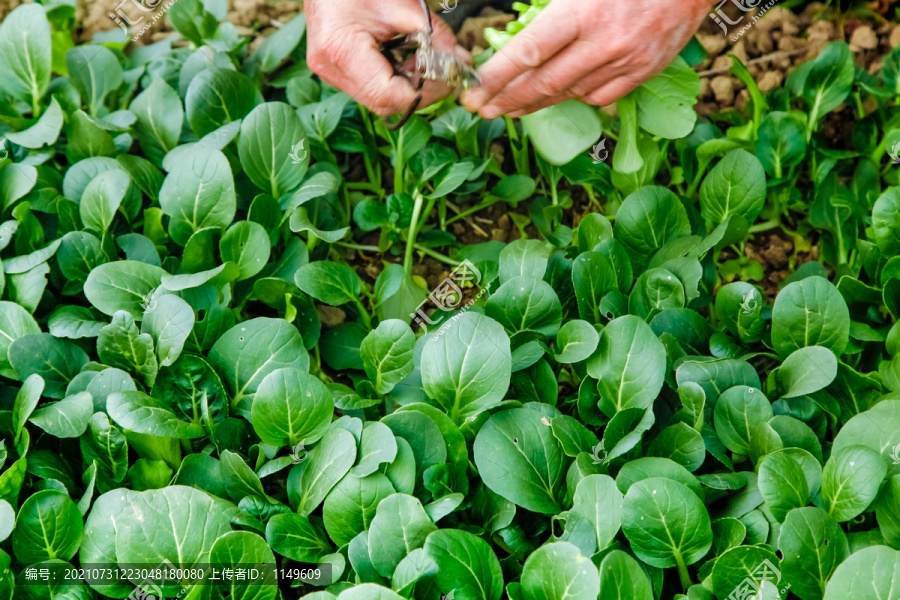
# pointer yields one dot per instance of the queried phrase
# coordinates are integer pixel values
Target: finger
(549, 33)
(434, 91)
(554, 78)
(612, 91)
(544, 103)
(601, 77)
(351, 61)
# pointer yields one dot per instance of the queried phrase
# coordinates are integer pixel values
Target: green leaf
(655, 290)
(621, 578)
(122, 285)
(27, 399)
(399, 527)
(350, 506)
(599, 501)
(48, 526)
(666, 102)
(851, 480)
(95, 72)
(15, 182)
(735, 186)
(121, 344)
(217, 97)
(470, 366)
(247, 352)
(15, 322)
(872, 572)
(666, 523)
(886, 221)
(526, 304)
(558, 571)
(629, 363)
(377, 445)
(268, 148)
(647, 219)
(807, 370)
(175, 523)
(295, 537)
(159, 118)
(829, 80)
(813, 545)
(782, 484)
(280, 44)
(102, 199)
(67, 418)
(781, 143)
(44, 132)
(291, 407)
(328, 282)
(169, 322)
(87, 139)
(311, 481)
(243, 548)
(387, 354)
(57, 361)
(25, 53)
(732, 570)
(466, 565)
(247, 245)
(681, 443)
(563, 131)
(739, 308)
(810, 312)
(197, 193)
(519, 459)
(576, 341)
(138, 412)
(738, 414)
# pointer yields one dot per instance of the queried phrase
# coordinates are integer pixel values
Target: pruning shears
(429, 63)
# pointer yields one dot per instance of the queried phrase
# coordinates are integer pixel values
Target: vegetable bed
(246, 324)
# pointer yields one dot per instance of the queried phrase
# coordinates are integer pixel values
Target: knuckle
(551, 84)
(317, 60)
(530, 54)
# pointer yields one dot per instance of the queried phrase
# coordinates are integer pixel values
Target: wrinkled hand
(343, 48)
(595, 50)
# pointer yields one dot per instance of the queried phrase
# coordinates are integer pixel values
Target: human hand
(343, 48)
(595, 50)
